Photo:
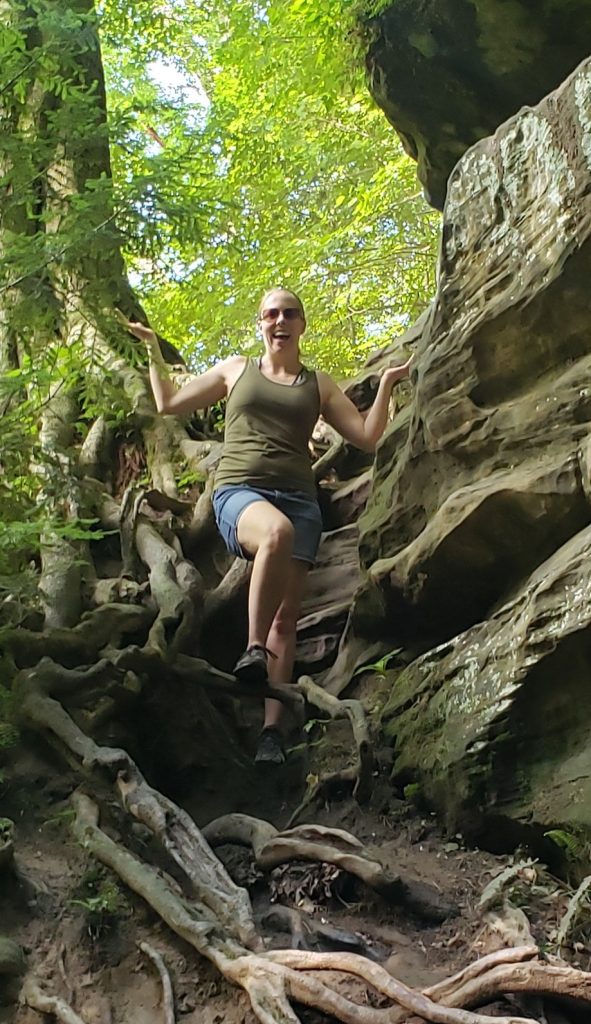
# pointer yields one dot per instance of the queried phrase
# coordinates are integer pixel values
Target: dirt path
(81, 929)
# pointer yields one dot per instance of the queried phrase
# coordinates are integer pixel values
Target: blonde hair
(288, 291)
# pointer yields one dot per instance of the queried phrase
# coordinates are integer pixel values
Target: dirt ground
(80, 928)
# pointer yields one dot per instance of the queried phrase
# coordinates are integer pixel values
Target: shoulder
(231, 368)
(233, 362)
(326, 387)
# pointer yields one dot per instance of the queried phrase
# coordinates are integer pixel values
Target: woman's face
(282, 321)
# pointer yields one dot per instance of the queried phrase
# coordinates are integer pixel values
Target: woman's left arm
(340, 412)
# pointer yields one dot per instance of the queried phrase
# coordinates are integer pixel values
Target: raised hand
(140, 331)
(393, 374)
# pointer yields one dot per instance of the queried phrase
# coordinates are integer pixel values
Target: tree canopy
(248, 153)
(241, 151)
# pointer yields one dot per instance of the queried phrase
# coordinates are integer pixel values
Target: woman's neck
(281, 363)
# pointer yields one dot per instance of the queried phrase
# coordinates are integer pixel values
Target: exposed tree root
(360, 775)
(167, 993)
(424, 1005)
(307, 933)
(202, 526)
(272, 978)
(572, 911)
(81, 644)
(218, 922)
(328, 460)
(177, 588)
(232, 583)
(174, 829)
(33, 995)
(331, 846)
(499, 974)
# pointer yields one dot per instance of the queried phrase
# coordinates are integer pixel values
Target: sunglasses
(291, 313)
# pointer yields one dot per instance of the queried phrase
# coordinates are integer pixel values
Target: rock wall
(477, 532)
(447, 72)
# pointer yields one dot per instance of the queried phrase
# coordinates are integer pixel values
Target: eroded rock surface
(476, 532)
(447, 72)
(496, 721)
(331, 586)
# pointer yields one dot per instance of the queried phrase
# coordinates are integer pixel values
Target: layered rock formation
(448, 72)
(477, 531)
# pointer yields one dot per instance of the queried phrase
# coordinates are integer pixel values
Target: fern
(574, 846)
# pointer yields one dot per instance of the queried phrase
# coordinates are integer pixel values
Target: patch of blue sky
(181, 88)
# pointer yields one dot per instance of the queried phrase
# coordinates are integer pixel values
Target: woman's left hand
(395, 373)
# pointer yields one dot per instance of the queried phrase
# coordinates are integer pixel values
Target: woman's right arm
(204, 390)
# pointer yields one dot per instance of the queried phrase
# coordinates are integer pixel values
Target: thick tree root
(307, 933)
(330, 846)
(273, 978)
(33, 995)
(218, 922)
(232, 583)
(81, 644)
(177, 588)
(359, 775)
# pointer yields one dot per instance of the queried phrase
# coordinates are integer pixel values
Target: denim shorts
(302, 511)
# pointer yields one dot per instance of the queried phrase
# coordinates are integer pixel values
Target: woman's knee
(279, 536)
(263, 527)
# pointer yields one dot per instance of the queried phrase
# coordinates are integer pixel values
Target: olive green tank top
(268, 429)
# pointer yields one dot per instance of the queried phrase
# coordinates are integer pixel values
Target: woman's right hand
(140, 331)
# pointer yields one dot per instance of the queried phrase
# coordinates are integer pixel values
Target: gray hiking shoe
(251, 667)
(270, 747)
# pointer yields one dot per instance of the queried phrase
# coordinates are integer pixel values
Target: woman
(264, 492)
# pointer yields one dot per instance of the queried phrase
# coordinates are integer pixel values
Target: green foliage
(102, 900)
(188, 478)
(8, 732)
(246, 152)
(576, 847)
(256, 157)
(6, 829)
(381, 665)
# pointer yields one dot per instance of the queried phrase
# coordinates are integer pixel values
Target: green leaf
(381, 665)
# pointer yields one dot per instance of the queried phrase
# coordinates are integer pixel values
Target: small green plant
(65, 818)
(313, 722)
(6, 829)
(381, 665)
(189, 478)
(102, 903)
(411, 791)
(575, 847)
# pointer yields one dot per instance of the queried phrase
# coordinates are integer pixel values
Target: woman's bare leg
(282, 634)
(267, 534)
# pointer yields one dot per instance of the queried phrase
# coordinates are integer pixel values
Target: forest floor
(80, 927)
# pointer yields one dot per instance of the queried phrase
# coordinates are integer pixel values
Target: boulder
(494, 725)
(475, 535)
(327, 601)
(447, 72)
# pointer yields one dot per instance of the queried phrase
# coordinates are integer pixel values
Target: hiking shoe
(270, 747)
(252, 666)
